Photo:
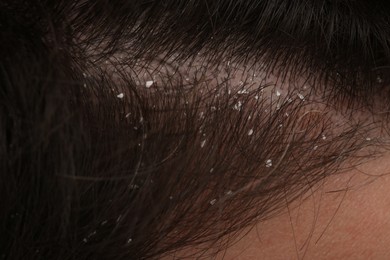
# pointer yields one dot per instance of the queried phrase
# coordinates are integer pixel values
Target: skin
(345, 216)
(348, 217)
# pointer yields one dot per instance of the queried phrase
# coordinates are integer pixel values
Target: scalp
(251, 104)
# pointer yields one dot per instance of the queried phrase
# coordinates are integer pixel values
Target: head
(136, 129)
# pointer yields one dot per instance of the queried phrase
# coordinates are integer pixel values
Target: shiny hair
(106, 155)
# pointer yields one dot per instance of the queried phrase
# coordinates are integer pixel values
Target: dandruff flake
(301, 96)
(121, 95)
(268, 163)
(149, 83)
(379, 79)
(278, 93)
(250, 132)
(133, 186)
(212, 202)
(242, 92)
(203, 143)
(238, 106)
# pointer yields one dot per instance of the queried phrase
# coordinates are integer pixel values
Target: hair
(124, 136)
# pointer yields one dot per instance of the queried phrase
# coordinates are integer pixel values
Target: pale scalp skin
(346, 216)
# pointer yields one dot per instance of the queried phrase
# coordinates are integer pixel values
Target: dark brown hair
(97, 165)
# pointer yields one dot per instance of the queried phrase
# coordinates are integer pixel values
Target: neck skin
(348, 217)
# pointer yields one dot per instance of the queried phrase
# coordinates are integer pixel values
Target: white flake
(301, 96)
(202, 144)
(212, 202)
(379, 79)
(250, 132)
(133, 186)
(268, 163)
(121, 95)
(129, 240)
(243, 91)
(149, 83)
(92, 234)
(238, 106)
(278, 93)
(229, 193)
